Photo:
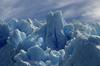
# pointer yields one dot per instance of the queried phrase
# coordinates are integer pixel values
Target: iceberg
(51, 43)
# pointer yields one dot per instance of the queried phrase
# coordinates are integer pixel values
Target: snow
(51, 43)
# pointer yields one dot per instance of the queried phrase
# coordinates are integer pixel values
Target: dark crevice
(56, 46)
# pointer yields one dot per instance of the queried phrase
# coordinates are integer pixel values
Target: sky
(86, 11)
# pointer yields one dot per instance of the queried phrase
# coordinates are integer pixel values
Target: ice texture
(51, 43)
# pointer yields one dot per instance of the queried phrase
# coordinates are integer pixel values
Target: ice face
(54, 43)
(54, 36)
(4, 33)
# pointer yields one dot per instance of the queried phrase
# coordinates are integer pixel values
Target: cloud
(66, 3)
(92, 12)
(22, 9)
(85, 11)
(7, 8)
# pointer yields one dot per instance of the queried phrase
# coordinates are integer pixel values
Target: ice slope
(54, 43)
(82, 52)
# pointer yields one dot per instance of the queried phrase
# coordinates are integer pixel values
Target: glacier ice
(51, 43)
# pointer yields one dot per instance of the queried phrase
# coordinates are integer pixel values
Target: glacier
(51, 43)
